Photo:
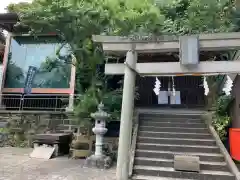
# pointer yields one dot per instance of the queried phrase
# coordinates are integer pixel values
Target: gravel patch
(15, 164)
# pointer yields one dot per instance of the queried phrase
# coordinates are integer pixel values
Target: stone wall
(22, 126)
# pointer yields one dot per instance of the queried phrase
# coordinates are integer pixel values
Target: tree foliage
(75, 21)
(198, 16)
(222, 120)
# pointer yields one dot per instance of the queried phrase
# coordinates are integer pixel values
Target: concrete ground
(15, 164)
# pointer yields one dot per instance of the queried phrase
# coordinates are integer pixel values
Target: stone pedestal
(99, 160)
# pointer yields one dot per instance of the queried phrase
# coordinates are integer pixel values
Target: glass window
(42, 52)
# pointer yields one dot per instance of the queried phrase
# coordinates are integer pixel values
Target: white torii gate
(188, 46)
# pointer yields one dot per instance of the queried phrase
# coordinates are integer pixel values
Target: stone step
(140, 177)
(3, 124)
(173, 129)
(176, 120)
(205, 142)
(210, 157)
(213, 166)
(167, 123)
(175, 135)
(63, 127)
(171, 173)
(152, 115)
(178, 148)
(4, 118)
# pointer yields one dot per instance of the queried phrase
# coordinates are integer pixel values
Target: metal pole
(126, 117)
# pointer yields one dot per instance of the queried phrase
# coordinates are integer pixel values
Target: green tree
(197, 16)
(75, 21)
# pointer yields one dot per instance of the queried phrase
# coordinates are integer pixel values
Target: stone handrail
(133, 144)
(232, 166)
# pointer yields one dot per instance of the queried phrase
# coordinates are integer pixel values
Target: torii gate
(188, 48)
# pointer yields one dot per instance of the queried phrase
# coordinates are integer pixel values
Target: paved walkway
(15, 164)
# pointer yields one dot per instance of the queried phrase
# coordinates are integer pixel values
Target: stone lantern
(98, 159)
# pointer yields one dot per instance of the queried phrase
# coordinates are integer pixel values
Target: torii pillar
(126, 116)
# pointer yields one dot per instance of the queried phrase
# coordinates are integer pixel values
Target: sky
(4, 3)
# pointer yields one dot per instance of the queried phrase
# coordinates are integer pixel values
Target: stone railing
(134, 141)
(208, 117)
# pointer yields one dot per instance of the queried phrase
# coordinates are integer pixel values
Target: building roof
(9, 22)
(2, 47)
(2, 42)
(2, 37)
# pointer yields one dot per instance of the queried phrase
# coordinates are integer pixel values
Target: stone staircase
(161, 136)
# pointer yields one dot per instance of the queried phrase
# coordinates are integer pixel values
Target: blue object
(29, 80)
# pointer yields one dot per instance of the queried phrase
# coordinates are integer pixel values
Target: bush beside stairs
(161, 136)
